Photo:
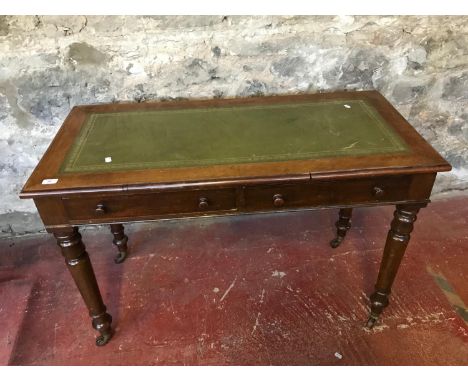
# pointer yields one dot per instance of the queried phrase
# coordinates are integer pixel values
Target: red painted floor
(261, 289)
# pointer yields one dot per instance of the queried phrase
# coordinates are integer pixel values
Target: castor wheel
(102, 323)
(120, 241)
(342, 226)
(336, 242)
(103, 339)
(371, 322)
(120, 258)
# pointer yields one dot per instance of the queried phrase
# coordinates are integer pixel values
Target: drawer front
(140, 206)
(327, 193)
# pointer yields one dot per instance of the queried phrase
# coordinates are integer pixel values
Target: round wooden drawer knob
(378, 192)
(278, 200)
(101, 208)
(203, 203)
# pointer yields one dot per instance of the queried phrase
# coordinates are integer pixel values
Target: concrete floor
(250, 290)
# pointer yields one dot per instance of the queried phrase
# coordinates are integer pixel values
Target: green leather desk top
(230, 135)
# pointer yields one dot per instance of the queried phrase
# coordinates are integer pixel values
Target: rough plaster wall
(50, 63)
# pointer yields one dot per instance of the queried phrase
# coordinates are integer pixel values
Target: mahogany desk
(133, 162)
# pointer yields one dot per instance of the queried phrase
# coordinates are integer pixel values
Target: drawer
(140, 206)
(327, 193)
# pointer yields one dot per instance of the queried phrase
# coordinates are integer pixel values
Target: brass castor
(120, 258)
(342, 226)
(103, 339)
(102, 323)
(371, 322)
(120, 241)
(336, 242)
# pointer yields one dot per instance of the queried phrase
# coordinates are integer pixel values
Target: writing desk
(117, 163)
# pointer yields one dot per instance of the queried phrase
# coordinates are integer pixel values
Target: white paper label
(108, 159)
(49, 181)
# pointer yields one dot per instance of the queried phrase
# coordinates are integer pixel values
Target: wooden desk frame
(404, 180)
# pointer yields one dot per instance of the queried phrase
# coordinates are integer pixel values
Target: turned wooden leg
(342, 226)
(80, 267)
(395, 246)
(120, 240)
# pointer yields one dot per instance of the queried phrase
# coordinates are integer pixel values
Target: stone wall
(50, 63)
